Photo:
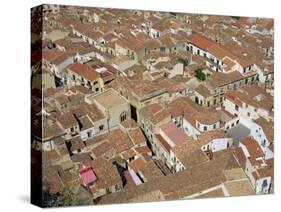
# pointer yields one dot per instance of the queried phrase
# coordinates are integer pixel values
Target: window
(215, 101)
(73, 77)
(237, 121)
(205, 128)
(248, 114)
(197, 100)
(96, 82)
(97, 89)
(198, 125)
(198, 52)
(232, 125)
(123, 116)
(205, 55)
(246, 81)
(101, 127)
(89, 134)
(236, 107)
(214, 126)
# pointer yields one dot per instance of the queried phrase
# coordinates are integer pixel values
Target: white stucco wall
(256, 132)
(268, 154)
(230, 107)
(190, 130)
(84, 133)
(231, 123)
(208, 127)
(218, 144)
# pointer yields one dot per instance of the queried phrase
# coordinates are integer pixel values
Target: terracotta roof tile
(176, 135)
(137, 136)
(202, 42)
(84, 71)
(136, 164)
(253, 148)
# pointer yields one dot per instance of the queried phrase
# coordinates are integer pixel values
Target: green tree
(199, 74)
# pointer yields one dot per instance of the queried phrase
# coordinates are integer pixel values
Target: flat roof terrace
(108, 98)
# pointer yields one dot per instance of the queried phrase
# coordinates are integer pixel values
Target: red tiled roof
(163, 142)
(175, 134)
(152, 108)
(142, 149)
(109, 37)
(51, 55)
(255, 175)
(136, 164)
(202, 42)
(239, 154)
(84, 71)
(158, 26)
(253, 148)
(137, 136)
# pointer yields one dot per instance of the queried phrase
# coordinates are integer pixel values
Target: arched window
(123, 116)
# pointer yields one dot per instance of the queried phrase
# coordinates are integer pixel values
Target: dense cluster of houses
(143, 106)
